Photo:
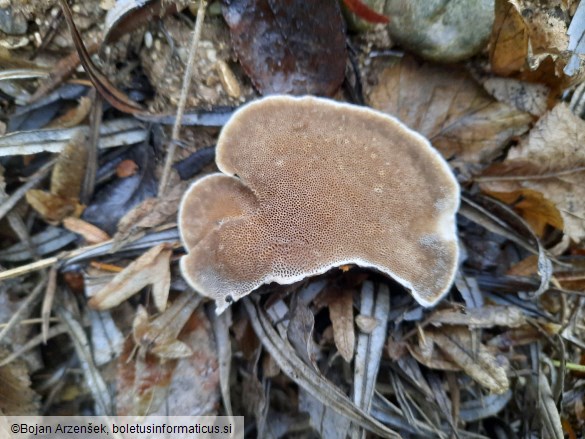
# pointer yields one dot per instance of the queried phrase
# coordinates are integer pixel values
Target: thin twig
(48, 302)
(183, 99)
(22, 190)
(490, 178)
(24, 307)
(95, 119)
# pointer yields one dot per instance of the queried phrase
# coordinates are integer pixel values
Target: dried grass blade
(34, 342)
(24, 307)
(48, 302)
(305, 377)
(370, 346)
(102, 84)
(221, 329)
(94, 380)
(112, 133)
(550, 417)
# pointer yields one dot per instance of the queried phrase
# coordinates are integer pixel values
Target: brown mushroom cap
(309, 184)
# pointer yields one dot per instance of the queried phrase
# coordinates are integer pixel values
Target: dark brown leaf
(289, 47)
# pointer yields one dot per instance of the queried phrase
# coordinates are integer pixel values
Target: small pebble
(148, 40)
(228, 79)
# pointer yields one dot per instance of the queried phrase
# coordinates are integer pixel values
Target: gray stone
(12, 23)
(441, 30)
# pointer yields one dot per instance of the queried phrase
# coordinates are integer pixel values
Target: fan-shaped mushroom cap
(309, 184)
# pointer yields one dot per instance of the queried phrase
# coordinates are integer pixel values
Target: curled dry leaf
(484, 317)
(151, 212)
(152, 268)
(456, 344)
(66, 180)
(341, 315)
(149, 384)
(530, 37)
(75, 116)
(91, 233)
(550, 161)
(533, 207)
(449, 108)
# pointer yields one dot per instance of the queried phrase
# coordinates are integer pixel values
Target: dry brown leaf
(341, 315)
(522, 95)
(551, 160)
(73, 117)
(126, 168)
(146, 384)
(509, 42)
(433, 359)
(69, 170)
(482, 366)
(151, 212)
(449, 108)
(53, 208)
(91, 233)
(526, 267)
(530, 36)
(152, 268)
(533, 207)
(159, 336)
(16, 397)
(66, 180)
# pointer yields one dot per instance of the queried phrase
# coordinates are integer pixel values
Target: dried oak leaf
(551, 161)
(289, 47)
(533, 207)
(449, 108)
(189, 386)
(529, 38)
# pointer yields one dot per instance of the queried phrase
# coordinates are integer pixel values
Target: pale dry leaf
(151, 212)
(487, 316)
(449, 108)
(159, 336)
(435, 361)
(152, 268)
(366, 323)
(300, 332)
(92, 234)
(522, 95)
(550, 416)
(480, 365)
(341, 315)
(147, 384)
(551, 160)
(17, 398)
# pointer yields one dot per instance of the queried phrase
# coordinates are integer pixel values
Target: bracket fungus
(308, 184)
